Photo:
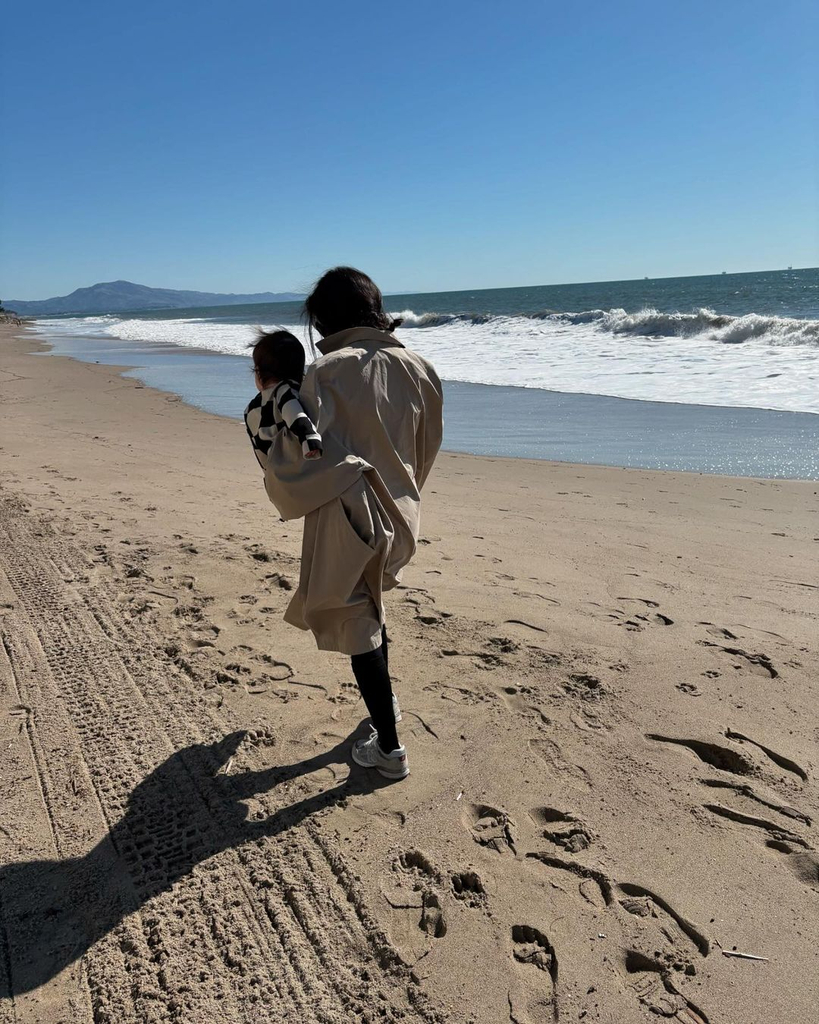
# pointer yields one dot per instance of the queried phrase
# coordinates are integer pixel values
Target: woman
(378, 408)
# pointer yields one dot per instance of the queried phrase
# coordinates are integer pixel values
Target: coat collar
(333, 342)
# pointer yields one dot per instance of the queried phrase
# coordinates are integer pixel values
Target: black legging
(371, 671)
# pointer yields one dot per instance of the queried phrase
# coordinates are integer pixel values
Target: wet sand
(517, 422)
(608, 681)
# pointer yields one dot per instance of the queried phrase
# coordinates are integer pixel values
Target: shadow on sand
(184, 812)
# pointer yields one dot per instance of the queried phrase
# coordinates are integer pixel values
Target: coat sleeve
(298, 486)
(430, 425)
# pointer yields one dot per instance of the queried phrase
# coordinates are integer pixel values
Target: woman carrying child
(349, 448)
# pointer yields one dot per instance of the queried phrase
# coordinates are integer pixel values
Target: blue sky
(248, 145)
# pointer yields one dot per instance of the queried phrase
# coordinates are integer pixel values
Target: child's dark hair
(345, 297)
(278, 355)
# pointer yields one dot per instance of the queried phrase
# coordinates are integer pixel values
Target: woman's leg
(373, 678)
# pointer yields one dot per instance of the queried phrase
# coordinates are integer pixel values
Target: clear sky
(247, 145)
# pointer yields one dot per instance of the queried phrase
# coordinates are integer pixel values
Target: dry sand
(608, 681)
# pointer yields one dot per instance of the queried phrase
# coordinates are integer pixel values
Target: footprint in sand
(728, 759)
(647, 617)
(186, 582)
(778, 759)
(482, 659)
(274, 669)
(780, 838)
(416, 911)
(653, 986)
(258, 553)
(429, 618)
(718, 631)
(759, 663)
(416, 863)
(424, 604)
(432, 918)
(662, 947)
(723, 758)
(594, 886)
(503, 644)
(538, 597)
(746, 791)
(533, 996)
(636, 619)
(457, 694)
(276, 579)
(491, 827)
(660, 915)
(524, 701)
(468, 887)
(264, 736)
(584, 686)
(563, 829)
(571, 774)
(802, 859)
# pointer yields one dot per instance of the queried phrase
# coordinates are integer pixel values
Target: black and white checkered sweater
(278, 408)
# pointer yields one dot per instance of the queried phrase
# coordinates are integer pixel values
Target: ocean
(709, 374)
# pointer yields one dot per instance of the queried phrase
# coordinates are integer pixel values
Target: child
(278, 364)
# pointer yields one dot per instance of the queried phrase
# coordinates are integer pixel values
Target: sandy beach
(609, 688)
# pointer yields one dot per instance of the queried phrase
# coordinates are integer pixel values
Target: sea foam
(702, 357)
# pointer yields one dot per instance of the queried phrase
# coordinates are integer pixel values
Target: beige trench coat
(378, 407)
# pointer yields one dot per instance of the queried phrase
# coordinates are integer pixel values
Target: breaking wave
(648, 323)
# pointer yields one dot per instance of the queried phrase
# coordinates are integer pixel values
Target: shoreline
(606, 677)
(526, 423)
(196, 351)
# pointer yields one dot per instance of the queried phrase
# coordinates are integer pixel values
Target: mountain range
(116, 296)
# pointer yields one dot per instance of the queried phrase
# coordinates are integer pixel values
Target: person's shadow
(184, 812)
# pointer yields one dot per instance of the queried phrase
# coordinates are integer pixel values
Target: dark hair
(278, 355)
(345, 297)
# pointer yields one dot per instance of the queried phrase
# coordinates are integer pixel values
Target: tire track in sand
(184, 911)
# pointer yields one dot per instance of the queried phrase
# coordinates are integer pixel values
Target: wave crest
(650, 323)
(412, 319)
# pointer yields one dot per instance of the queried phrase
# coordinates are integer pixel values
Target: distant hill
(116, 296)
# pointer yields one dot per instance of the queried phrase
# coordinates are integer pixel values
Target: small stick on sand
(744, 956)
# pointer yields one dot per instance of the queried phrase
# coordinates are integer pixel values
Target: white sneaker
(368, 754)
(396, 709)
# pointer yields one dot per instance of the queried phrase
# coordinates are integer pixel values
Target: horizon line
(442, 291)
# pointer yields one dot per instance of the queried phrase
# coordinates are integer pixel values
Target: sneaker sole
(400, 773)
